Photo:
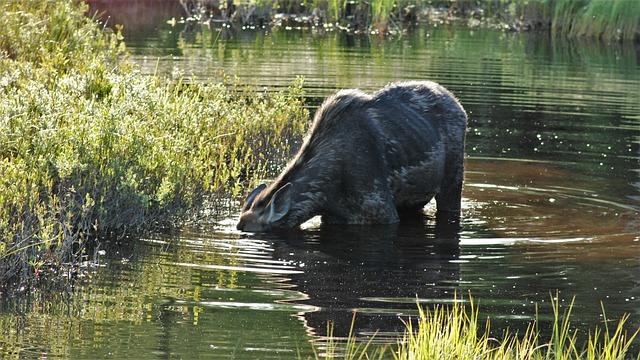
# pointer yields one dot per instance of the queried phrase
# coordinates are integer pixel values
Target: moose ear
(252, 196)
(280, 203)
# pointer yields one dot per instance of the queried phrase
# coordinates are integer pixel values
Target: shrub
(89, 146)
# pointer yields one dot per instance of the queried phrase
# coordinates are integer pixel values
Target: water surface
(551, 203)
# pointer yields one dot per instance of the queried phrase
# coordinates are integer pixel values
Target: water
(551, 203)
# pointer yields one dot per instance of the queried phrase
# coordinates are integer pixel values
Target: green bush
(89, 146)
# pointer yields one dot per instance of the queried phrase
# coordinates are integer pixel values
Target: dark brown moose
(367, 159)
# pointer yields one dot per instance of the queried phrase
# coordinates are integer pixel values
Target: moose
(369, 159)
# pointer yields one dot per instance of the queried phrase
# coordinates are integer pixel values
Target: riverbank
(614, 20)
(90, 148)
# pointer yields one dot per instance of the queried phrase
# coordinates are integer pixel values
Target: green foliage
(56, 36)
(456, 333)
(381, 11)
(618, 19)
(353, 349)
(336, 8)
(607, 19)
(89, 146)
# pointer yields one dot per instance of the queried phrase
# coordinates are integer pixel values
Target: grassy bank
(605, 19)
(89, 147)
(457, 333)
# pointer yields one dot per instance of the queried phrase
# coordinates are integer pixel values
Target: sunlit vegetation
(456, 332)
(607, 19)
(90, 147)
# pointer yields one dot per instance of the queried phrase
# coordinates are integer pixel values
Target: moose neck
(312, 178)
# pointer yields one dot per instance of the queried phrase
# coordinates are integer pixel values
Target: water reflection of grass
(133, 309)
(89, 146)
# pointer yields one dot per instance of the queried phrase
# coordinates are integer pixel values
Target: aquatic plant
(353, 348)
(456, 332)
(607, 19)
(381, 14)
(618, 19)
(91, 147)
(336, 8)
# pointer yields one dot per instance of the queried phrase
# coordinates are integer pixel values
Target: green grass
(352, 349)
(90, 147)
(457, 333)
(381, 11)
(609, 19)
(606, 19)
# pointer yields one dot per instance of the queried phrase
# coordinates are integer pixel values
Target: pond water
(551, 204)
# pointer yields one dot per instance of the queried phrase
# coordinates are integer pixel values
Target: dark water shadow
(379, 272)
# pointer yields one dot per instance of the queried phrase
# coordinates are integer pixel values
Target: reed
(456, 332)
(606, 19)
(336, 9)
(381, 12)
(352, 349)
(611, 20)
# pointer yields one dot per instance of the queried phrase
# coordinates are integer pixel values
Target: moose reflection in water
(379, 271)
